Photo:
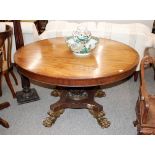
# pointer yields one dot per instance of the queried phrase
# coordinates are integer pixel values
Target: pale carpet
(119, 105)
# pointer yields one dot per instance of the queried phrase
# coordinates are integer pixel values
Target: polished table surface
(50, 61)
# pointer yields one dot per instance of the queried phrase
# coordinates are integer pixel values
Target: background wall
(148, 23)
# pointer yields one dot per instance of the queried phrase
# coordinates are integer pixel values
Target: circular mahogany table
(50, 61)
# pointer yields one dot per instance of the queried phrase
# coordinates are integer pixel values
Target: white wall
(148, 23)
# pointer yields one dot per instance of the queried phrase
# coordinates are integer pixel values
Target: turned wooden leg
(135, 75)
(14, 77)
(7, 78)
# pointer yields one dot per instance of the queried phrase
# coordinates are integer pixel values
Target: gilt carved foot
(49, 121)
(102, 121)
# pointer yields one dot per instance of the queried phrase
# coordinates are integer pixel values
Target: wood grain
(51, 61)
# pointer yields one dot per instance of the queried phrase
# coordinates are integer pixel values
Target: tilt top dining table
(52, 62)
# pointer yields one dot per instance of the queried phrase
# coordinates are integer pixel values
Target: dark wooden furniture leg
(77, 98)
(7, 78)
(26, 95)
(14, 77)
(136, 73)
(0, 84)
(2, 121)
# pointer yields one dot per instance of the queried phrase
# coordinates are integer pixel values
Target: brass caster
(55, 93)
(100, 93)
(49, 121)
(103, 122)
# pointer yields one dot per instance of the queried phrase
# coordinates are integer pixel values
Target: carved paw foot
(103, 122)
(100, 93)
(49, 121)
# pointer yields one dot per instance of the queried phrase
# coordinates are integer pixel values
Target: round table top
(51, 61)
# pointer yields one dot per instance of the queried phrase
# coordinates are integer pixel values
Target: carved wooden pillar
(27, 94)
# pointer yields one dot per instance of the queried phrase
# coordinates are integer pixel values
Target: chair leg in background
(7, 78)
(14, 77)
(153, 66)
(0, 85)
(135, 75)
(4, 105)
(4, 123)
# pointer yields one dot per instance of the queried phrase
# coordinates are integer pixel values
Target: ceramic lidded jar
(81, 42)
(82, 34)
